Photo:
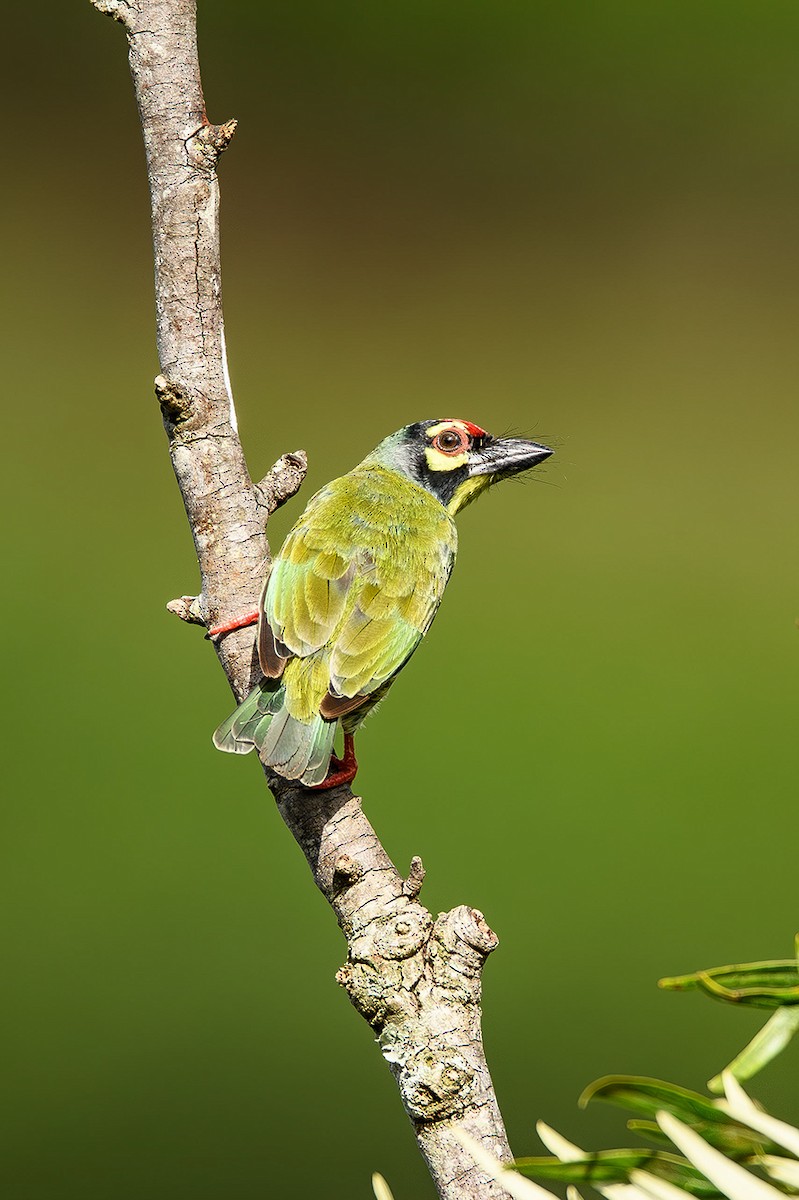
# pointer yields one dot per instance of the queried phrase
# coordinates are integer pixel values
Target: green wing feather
(306, 594)
(360, 577)
(352, 592)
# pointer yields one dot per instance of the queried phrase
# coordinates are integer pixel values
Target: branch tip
(209, 141)
(477, 932)
(219, 136)
(468, 927)
(119, 10)
(413, 884)
(188, 608)
(283, 480)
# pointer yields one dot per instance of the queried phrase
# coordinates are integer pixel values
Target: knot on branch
(369, 991)
(346, 871)
(118, 9)
(176, 404)
(465, 931)
(436, 1084)
(400, 936)
(188, 608)
(457, 951)
(207, 143)
(282, 481)
(386, 965)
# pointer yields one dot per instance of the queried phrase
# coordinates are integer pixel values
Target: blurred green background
(577, 221)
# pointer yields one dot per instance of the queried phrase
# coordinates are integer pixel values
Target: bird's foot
(341, 770)
(229, 626)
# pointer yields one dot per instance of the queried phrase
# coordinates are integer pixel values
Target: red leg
(341, 770)
(229, 626)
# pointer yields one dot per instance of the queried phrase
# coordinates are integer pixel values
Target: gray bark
(416, 980)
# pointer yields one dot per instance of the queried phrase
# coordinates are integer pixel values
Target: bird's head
(455, 460)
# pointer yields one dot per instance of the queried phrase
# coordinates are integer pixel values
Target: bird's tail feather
(296, 749)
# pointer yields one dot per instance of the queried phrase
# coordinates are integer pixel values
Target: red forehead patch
(473, 430)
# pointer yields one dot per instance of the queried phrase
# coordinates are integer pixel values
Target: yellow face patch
(437, 461)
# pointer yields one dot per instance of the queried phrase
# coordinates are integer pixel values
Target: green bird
(355, 588)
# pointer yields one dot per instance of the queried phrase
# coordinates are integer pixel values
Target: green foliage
(721, 1141)
(761, 984)
(651, 1096)
(771, 984)
(614, 1166)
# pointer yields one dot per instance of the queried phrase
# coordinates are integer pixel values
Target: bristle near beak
(504, 457)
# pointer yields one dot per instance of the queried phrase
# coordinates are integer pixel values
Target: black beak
(507, 456)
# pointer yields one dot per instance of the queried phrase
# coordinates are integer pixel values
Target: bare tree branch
(282, 481)
(414, 979)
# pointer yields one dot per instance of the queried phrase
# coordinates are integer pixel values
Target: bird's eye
(449, 442)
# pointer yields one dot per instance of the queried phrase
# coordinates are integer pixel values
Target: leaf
(764, 1046)
(737, 1141)
(649, 1096)
(648, 1129)
(784, 1170)
(730, 1178)
(740, 1106)
(566, 1151)
(767, 984)
(614, 1166)
(657, 1189)
(380, 1188)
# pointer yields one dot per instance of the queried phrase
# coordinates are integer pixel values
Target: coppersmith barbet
(355, 588)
